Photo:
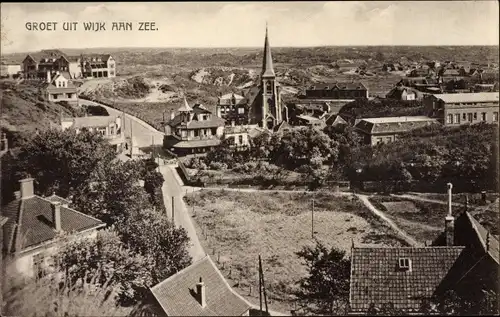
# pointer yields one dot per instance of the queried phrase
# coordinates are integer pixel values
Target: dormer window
(404, 264)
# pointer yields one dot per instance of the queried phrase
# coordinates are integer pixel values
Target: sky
(242, 24)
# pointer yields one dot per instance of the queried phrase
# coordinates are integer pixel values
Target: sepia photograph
(264, 158)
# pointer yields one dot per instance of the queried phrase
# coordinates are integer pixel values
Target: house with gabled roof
(198, 290)
(233, 107)
(338, 91)
(60, 88)
(464, 258)
(387, 129)
(193, 130)
(98, 65)
(33, 228)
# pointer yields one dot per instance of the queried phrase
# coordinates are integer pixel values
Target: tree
(112, 192)
(153, 181)
(152, 234)
(112, 262)
(62, 161)
(327, 285)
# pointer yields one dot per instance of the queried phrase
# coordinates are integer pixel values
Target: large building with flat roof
(463, 108)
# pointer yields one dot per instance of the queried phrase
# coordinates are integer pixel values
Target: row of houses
(36, 65)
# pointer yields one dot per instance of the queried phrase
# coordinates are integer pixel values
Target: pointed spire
(267, 64)
(185, 107)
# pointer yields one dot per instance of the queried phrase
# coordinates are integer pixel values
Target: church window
(268, 87)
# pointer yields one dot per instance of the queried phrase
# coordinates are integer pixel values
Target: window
(404, 264)
(475, 115)
(388, 139)
(495, 116)
(241, 110)
(38, 265)
(214, 131)
(196, 133)
(70, 96)
(469, 117)
(379, 140)
(449, 119)
(240, 139)
(457, 118)
(483, 116)
(464, 116)
(54, 96)
(184, 133)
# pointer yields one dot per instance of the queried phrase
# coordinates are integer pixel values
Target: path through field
(413, 197)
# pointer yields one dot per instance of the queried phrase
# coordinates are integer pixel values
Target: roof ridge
(424, 247)
(183, 271)
(71, 209)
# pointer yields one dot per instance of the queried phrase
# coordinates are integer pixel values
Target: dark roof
(376, 278)
(213, 122)
(339, 85)
(176, 294)
(335, 119)
(33, 217)
(397, 92)
(252, 93)
(189, 144)
(488, 241)
(393, 124)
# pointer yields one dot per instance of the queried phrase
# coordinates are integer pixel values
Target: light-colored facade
(109, 127)
(384, 130)
(59, 88)
(193, 130)
(9, 68)
(98, 66)
(464, 108)
(37, 227)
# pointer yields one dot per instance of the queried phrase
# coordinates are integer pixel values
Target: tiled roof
(393, 124)
(469, 97)
(55, 198)
(339, 85)
(213, 122)
(492, 246)
(376, 277)
(252, 94)
(176, 294)
(196, 143)
(33, 217)
(335, 119)
(308, 118)
(92, 121)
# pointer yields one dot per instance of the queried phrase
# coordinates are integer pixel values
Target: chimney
(48, 77)
(200, 291)
(26, 188)
(172, 115)
(449, 220)
(5, 143)
(218, 111)
(56, 215)
(232, 123)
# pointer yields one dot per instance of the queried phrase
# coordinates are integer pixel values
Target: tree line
(140, 246)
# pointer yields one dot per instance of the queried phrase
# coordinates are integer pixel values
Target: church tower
(271, 101)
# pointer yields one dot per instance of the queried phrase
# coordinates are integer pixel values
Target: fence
(391, 186)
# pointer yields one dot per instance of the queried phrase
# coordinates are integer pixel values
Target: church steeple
(267, 64)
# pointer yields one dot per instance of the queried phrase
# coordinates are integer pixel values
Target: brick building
(337, 91)
(463, 108)
(234, 107)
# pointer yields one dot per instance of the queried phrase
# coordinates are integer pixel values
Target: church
(260, 105)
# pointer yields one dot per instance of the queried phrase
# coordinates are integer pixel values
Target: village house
(110, 127)
(233, 107)
(198, 290)
(422, 84)
(240, 136)
(98, 65)
(392, 67)
(463, 108)
(334, 119)
(464, 258)
(387, 129)
(33, 227)
(193, 130)
(316, 109)
(10, 68)
(401, 93)
(36, 65)
(264, 100)
(338, 91)
(59, 88)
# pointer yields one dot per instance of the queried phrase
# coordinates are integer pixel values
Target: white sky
(227, 24)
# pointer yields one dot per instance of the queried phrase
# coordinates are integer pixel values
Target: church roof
(267, 64)
(185, 106)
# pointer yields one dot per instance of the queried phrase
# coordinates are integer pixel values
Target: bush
(218, 166)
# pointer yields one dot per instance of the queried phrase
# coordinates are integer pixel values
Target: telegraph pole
(312, 219)
(173, 214)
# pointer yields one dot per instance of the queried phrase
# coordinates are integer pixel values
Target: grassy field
(425, 220)
(236, 227)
